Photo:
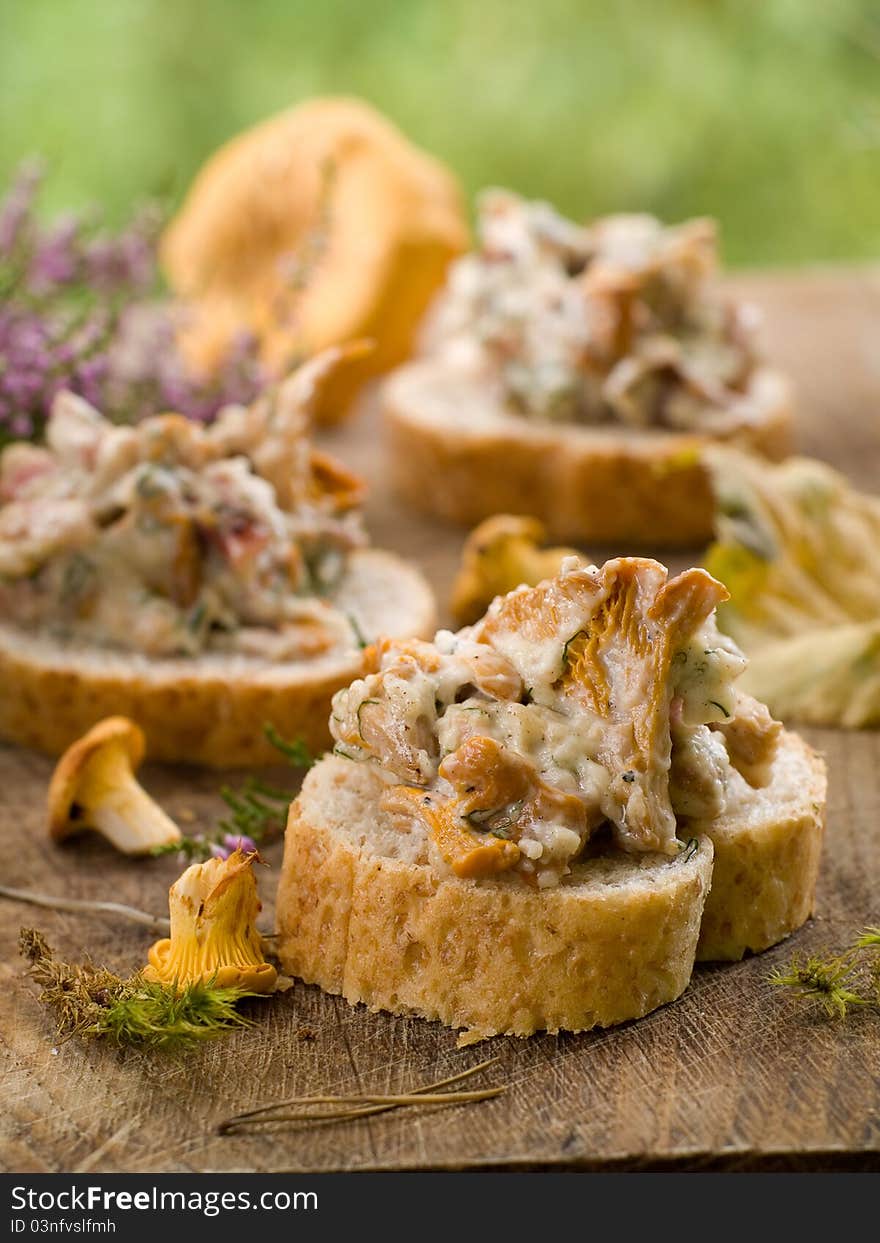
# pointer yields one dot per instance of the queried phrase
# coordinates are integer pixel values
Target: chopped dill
(497, 821)
(361, 707)
(345, 755)
(567, 646)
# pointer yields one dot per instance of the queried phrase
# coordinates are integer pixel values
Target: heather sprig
(80, 309)
(257, 810)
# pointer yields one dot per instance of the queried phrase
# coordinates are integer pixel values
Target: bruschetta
(543, 820)
(575, 373)
(203, 580)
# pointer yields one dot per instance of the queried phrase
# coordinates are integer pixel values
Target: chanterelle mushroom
(500, 554)
(320, 224)
(93, 787)
(214, 908)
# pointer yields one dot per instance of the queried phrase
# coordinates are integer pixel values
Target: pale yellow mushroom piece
(213, 908)
(798, 548)
(503, 553)
(94, 787)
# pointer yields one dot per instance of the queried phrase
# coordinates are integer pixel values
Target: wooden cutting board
(733, 1075)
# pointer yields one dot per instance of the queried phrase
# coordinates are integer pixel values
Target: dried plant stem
(429, 1087)
(391, 1102)
(404, 1098)
(373, 1104)
(156, 923)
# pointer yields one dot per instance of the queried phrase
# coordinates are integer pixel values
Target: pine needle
(385, 1103)
(155, 1016)
(402, 1098)
(90, 1001)
(371, 1104)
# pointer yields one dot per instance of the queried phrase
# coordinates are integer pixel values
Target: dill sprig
(90, 1002)
(836, 981)
(258, 811)
(295, 750)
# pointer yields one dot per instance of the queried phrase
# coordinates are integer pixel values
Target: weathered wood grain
(733, 1075)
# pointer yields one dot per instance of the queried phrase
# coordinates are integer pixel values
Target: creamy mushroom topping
(615, 322)
(171, 538)
(599, 698)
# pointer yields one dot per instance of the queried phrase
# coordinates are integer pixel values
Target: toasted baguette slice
(767, 849)
(457, 454)
(209, 709)
(361, 913)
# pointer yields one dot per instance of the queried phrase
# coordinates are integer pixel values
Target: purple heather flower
(238, 842)
(55, 261)
(127, 261)
(231, 842)
(78, 310)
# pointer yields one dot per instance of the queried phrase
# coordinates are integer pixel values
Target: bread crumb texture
(767, 852)
(615, 940)
(361, 913)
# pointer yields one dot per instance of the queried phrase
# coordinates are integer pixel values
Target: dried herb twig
(156, 923)
(91, 1001)
(370, 1104)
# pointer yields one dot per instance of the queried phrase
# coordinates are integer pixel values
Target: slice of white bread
(209, 709)
(767, 850)
(363, 914)
(457, 454)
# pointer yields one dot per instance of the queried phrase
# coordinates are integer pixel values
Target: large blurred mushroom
(319, 225)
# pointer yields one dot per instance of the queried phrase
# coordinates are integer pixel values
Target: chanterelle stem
(121, 809)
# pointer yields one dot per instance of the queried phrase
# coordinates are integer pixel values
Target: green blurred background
(764, 113)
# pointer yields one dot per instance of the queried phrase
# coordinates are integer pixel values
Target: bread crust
(766, 860)
(614, 941)
(455, 455)
(496, 956)
(204, 710)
